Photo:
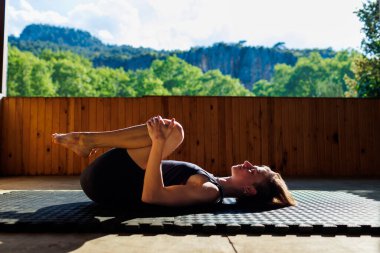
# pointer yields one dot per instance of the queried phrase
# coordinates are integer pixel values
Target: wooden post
(3, 64)
(3, 49)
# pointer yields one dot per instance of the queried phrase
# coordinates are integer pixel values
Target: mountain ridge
(247, 63)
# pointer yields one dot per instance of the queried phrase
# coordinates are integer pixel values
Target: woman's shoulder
(203, 188)
(197, 180)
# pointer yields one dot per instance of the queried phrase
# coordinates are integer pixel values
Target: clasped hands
(158, 130)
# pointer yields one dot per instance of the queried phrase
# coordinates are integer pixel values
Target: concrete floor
(87, 242)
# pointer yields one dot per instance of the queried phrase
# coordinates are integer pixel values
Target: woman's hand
(158, 131)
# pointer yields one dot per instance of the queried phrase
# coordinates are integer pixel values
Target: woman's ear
(249, 191)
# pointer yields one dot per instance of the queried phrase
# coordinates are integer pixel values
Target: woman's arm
(154, 191)
(153, 182)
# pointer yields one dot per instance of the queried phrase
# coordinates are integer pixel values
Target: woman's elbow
(151, 200)
(147, 199)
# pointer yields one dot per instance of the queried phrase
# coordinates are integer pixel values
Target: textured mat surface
(318, 212)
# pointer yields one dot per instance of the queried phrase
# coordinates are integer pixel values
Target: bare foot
(74, 142)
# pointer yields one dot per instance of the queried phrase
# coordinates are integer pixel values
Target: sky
(182, 24)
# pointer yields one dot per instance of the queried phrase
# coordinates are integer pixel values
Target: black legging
(113, 179)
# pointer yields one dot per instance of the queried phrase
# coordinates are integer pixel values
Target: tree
(281, 77)
(214, 83)
(109, 82)
(340, 69)
(144, 82)
(178, 77)
(181, 78)
(303, 81)
(312, 76)
(75, 75)
(367, 68)
(263, 88)
(64, 73)
(72, 79)
(28, 75)
(279, 45)
(369, 15)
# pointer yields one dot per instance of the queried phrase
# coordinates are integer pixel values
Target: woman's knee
(178, 133)
(174, 140)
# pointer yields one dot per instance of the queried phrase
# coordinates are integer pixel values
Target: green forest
(67, 74)
(49, 61)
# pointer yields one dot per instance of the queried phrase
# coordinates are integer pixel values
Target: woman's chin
(234, 172)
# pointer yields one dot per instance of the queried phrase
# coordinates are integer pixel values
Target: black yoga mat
(318, 212)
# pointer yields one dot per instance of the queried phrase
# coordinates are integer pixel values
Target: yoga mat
(318, 212)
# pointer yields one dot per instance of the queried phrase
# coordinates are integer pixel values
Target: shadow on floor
(55, 226)
(90, 217)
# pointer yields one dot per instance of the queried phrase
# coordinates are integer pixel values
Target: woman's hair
(271, 192)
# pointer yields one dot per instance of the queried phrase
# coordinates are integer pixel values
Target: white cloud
(105, 35)
(109, 17)
(18, 18)
(173, 24)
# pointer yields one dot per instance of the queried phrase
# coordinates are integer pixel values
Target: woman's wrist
(158, 142)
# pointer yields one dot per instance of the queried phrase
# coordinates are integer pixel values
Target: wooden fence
(298, 137)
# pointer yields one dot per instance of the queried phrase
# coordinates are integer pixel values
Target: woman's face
(248, 174)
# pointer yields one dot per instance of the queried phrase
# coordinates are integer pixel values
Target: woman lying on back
(136, 171)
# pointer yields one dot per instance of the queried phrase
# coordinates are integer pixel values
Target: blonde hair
(272, 192)
(283, 196)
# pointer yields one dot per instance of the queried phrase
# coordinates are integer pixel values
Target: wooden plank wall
(298, 137)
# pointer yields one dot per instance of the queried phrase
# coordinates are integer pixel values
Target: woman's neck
(230, 189)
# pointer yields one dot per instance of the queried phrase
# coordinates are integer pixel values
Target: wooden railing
(298, 137)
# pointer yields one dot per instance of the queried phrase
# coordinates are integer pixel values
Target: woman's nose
(246, 163)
